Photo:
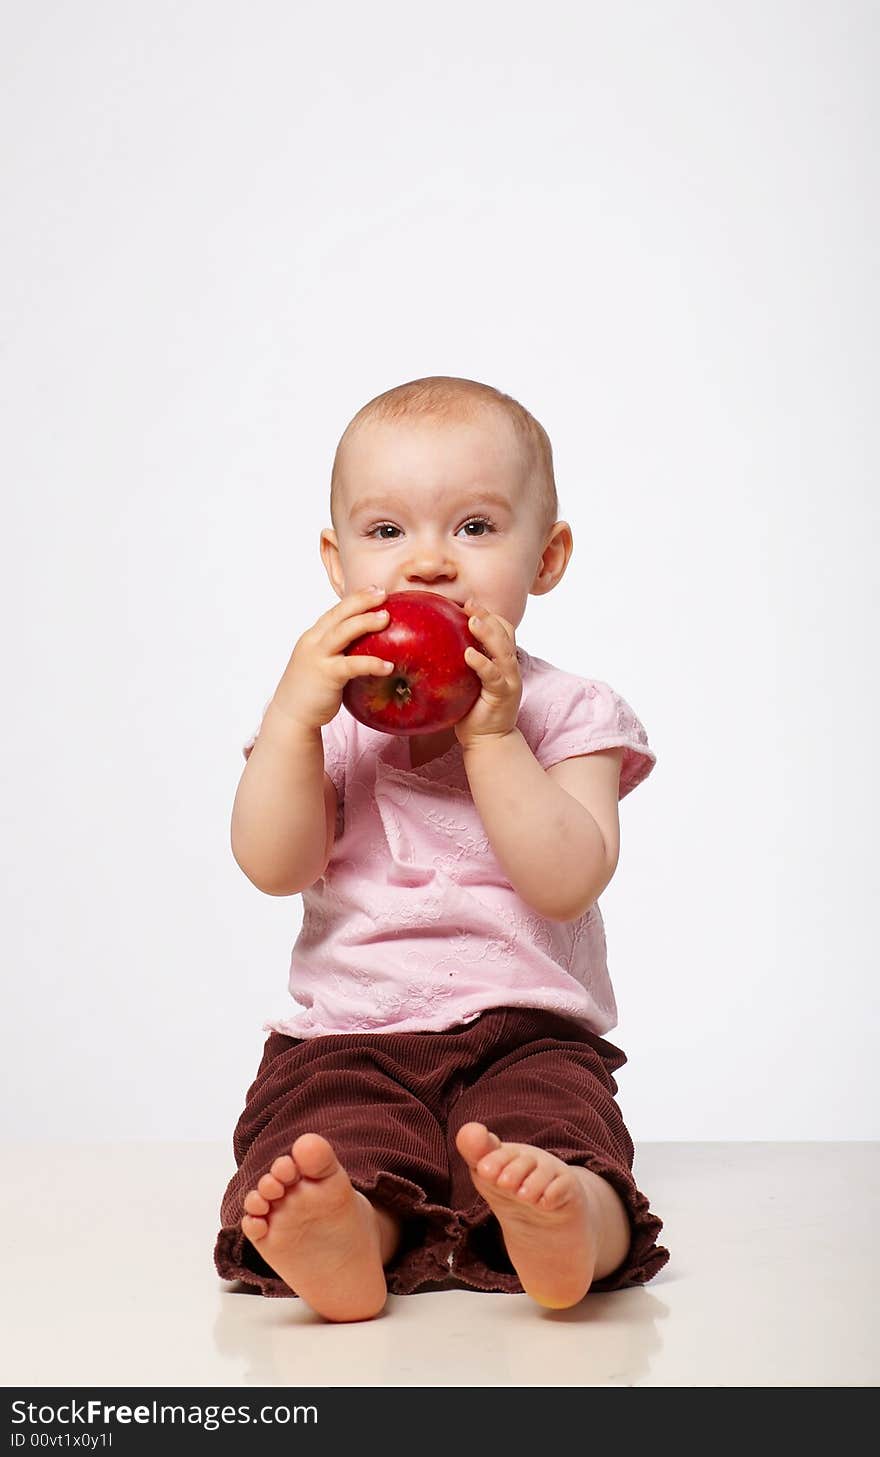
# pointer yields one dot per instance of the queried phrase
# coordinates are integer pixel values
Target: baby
(441, 1105)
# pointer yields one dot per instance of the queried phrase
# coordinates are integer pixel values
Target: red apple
(432, 686)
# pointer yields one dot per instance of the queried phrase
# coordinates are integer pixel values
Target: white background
(227, 226)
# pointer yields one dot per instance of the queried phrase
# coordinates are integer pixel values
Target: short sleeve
(335, 749)
(587, 715)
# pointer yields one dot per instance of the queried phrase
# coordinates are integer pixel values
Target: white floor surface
(108, 1279)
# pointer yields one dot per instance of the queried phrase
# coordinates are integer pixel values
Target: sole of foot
(547, 1218)
(318, 1232)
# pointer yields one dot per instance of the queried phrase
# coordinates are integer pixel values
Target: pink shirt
(414, 926)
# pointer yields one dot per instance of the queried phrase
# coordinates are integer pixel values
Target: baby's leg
(563, 1226)
(322, 1236)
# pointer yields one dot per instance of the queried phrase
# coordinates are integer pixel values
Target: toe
(254, 1203)
(254, 1228)
(285, 1170)
(474, 1141)
(494, 1163)
(270, 1187)
(535, 1185)
(557, 1193)
(314, 1156)
(516, 1171)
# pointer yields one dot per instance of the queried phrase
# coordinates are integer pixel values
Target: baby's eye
(480, 521)
(474, 521)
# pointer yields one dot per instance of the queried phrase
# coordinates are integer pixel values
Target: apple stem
(401, 691)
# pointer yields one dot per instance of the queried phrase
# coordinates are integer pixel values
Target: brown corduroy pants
(391, 1104)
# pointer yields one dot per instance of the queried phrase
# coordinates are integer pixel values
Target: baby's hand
(310, 691)
(495, 712)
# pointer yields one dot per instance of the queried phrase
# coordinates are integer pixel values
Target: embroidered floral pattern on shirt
(413, 925)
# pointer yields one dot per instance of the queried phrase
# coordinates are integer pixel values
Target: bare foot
(317, 1232)
(549, 1222)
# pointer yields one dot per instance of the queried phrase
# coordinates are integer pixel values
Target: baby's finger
(349, 629)
(360, 666)
(366, 622)
(354, 602)
(483, 665)
(493, 629)
(488, 630)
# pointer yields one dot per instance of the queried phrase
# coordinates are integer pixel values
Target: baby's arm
(284, 814)
(549, 840)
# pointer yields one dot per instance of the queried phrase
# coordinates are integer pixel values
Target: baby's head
(446, 485)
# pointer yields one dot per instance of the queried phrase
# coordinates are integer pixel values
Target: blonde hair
(446, 397)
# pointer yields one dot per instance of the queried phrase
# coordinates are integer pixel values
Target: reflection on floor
(109, 1279)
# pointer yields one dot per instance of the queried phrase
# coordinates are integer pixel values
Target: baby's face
(440, 507)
